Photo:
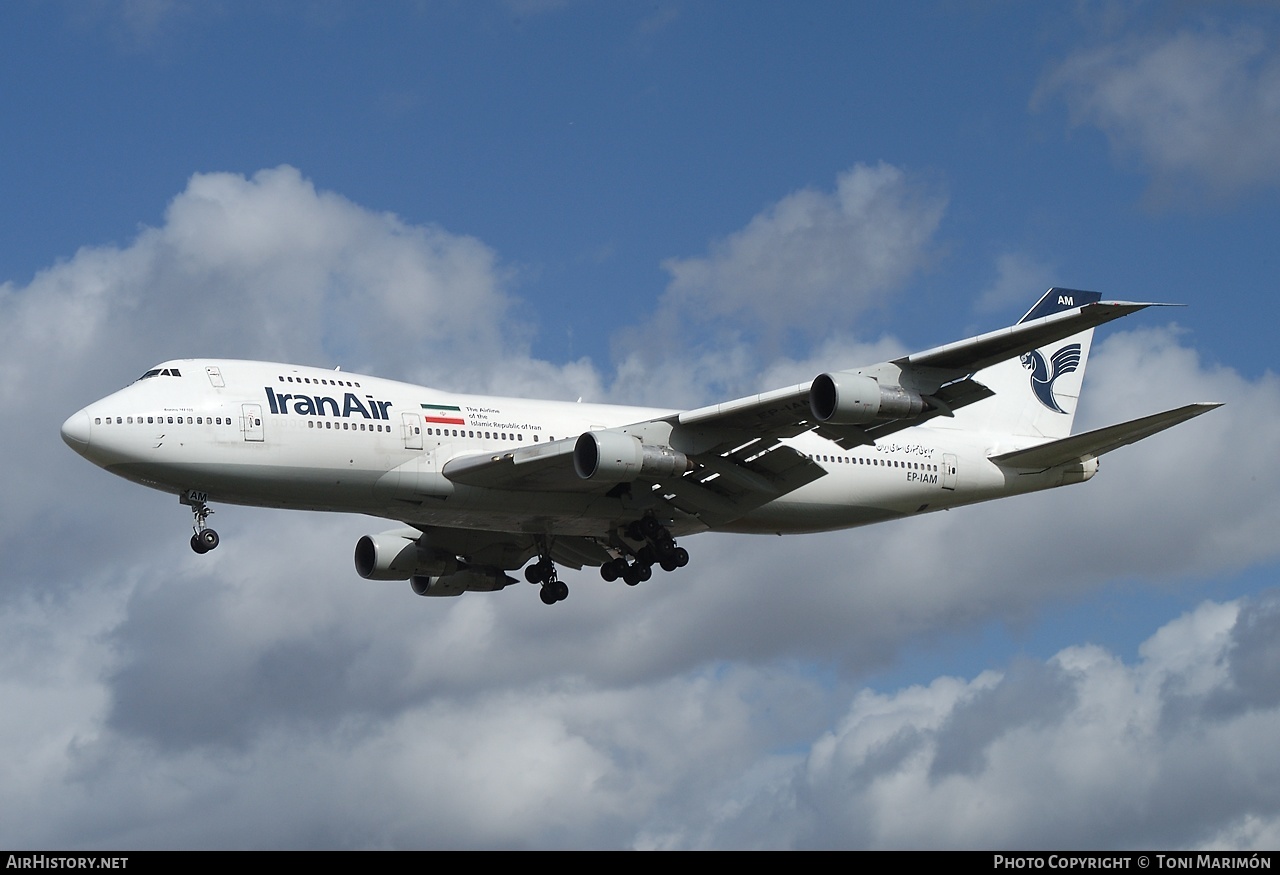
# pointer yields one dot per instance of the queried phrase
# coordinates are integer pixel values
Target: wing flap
(1092, 444)
(728, 485)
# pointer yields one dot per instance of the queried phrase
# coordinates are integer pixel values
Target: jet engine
(620, 458)
(477, 579)
(848, 398)
(400, 555)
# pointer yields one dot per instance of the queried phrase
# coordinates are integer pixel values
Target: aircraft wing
(1091, 444)
(505, 550)
(708, 489)
(733, 458)
(941, 376)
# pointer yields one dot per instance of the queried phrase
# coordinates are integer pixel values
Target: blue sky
(666, 204)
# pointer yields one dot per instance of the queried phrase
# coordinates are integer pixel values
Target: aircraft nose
(75, 431)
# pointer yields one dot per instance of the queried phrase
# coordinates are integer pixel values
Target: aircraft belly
(564, 513)
(349, 489)
(793, 518)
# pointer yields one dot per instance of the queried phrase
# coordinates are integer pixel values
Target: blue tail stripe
(1056, 300)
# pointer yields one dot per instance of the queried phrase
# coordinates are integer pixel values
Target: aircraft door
(948, 471)
(251, 421)
(411, 425)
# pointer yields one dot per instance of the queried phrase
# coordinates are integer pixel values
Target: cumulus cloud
(1017, 275)
(1072, 752)
(813, 252)
(264, 696)
(1199, 108)
(808, 266)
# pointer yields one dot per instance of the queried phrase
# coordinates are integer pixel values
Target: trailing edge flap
(1092, 444)
(727, 485)
(786, 412)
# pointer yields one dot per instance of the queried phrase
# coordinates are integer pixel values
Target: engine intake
(399, 556)
(620, 458)
(845, 398)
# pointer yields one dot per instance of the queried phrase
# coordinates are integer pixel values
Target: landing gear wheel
(681, 556)
(204, 540)
(553, 591)
(631, 575)
(650, 526)
(645, 572)
(609, 571)
(540, 572)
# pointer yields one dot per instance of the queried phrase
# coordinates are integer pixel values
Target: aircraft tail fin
(1036, 395)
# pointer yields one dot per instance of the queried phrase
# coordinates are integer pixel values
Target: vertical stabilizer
(1036, 394)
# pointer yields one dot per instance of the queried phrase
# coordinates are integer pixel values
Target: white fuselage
(277, 435)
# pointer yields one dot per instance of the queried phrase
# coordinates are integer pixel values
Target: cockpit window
(160, 372)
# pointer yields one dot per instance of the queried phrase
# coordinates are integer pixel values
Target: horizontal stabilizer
(1092, 444)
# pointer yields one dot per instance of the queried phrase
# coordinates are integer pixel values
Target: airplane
(483, 485)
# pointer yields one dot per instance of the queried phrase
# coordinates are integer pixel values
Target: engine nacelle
(467, 580)
(846, 398)
(620, 458)
(399, 556)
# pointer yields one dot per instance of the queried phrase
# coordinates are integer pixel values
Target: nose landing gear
(205, 538)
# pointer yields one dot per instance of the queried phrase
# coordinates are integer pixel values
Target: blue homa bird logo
(1064, 361)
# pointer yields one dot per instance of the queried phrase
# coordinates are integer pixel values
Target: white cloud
(1072, 752)
(1200, 107)
(814, 259)
(1018, 275)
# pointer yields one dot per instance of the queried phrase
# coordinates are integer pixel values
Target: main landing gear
(659, 548)
(544, 572)
(205, 538)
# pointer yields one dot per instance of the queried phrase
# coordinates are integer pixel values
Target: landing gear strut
(659, 548)
(544, 572)
(205, 538)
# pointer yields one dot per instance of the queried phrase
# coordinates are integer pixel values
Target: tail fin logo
(1064, 361)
